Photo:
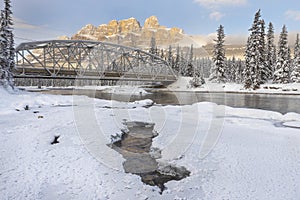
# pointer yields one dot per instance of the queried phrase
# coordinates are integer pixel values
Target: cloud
(25, 32)
(216, 15)
(214, 4)
(21, 24)
(293, 14)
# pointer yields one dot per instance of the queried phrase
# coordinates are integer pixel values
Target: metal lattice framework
(73, 59)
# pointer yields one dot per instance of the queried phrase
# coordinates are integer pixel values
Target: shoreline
(32, 89)
(230, 92)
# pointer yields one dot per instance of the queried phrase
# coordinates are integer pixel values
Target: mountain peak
(130, 32)
(151, 23)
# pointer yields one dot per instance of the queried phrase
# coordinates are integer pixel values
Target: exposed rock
(88, 29)
(151, 23)
(112, 27)
(89, 32)
(129, 32)
(129, 25)
(176, 30)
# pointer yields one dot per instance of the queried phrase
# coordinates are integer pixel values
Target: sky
(48, 19)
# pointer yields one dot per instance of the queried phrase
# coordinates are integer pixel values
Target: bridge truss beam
(71, 59)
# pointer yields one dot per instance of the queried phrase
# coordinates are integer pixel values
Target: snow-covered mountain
(130, 32)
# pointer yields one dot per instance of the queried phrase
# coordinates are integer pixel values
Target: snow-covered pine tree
(7, 51)
(282, 72)
(232, 67)
(270, 51)
(253, 55)
(238, 71)
(9, 23)
(295, 75)
(207, 66)
(263, 69)
(4, 53)
(218, 70)
(227, 74)
(183, 64)
(290, 63)
(162, 54)
(153, 48)
(190, 65)
(297, 46)
(170, 56)
(177, 60)
(248, 65)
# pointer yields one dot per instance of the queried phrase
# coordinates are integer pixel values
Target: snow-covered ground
(182, 84)
(232, 153)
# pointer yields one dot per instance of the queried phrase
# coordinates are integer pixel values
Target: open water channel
(273, 102)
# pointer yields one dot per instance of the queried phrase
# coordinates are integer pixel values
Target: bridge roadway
(89, 60)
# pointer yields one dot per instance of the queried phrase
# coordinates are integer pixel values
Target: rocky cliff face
(151, 23)
(130, 32)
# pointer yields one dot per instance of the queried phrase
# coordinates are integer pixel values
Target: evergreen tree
(297, 46)
(281, 74)
(170, 56)
(153, 47)
(239, 72)
(206, 66)
(232, 67)
(248, 66)
(295, 75)
(190, 66)
(162, 54)
(254, 55)
(183, 64)
(7, 51)
(270, 51)
(218, 70)
(290, 64)
(263, 68)
(3, 50)
(177, 60)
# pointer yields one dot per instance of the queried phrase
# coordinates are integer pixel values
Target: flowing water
(273, 102)
(135, 146)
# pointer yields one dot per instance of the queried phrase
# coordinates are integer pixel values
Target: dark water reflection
(135, 146)
(273, 102)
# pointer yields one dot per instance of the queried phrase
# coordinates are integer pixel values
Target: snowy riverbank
(231, 153)
(122, 89)
(182, 84)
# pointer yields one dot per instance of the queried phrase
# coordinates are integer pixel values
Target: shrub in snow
(196, 81)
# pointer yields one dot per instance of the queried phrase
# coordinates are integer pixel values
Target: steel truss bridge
(89, 60)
